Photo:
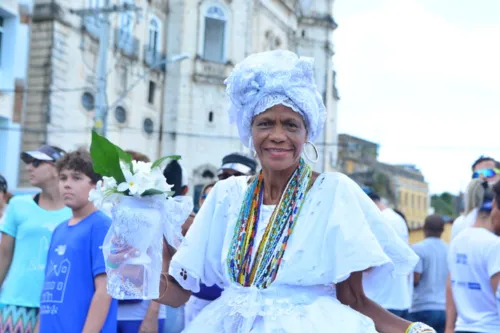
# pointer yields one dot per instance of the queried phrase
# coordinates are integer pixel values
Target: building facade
(15, 18)
(64, 58)
(402, 186)
(356, 155)
(179, 108)
(412, 192)
(218, 34)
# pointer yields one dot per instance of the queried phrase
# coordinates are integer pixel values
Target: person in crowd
(74, 298)
(177, 176)
(289, 245)
(236, 164)
(474, 265)
(26, 233)
(484, 168)
(5, 196)
(431, 273)
(206, 295)
(393, 294)
(140, 316)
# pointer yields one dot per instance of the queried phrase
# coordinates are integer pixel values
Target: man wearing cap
(431, 273)
(26, 235)
(236, 164)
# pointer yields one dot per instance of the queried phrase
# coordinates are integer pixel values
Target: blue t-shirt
(32, 228)
(75, 258)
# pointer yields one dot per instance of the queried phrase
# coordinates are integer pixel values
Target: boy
(74, 296)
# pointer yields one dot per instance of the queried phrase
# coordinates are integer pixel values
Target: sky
(422, 79)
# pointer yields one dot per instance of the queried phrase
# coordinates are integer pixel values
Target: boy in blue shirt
(74, 296)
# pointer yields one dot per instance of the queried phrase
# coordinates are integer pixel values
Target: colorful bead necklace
(264, 268)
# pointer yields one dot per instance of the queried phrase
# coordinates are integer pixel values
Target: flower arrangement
(122, 175)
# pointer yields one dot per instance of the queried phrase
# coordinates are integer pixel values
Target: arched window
(154, 35)
(215, 23)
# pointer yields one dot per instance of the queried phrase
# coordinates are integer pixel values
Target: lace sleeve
(198, 259)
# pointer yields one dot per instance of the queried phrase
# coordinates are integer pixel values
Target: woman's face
(279, 135)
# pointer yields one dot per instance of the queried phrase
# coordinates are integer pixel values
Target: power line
(235, 138)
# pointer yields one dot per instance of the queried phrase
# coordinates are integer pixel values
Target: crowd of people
(274, 247)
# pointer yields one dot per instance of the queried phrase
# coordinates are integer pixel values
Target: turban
(266, 79)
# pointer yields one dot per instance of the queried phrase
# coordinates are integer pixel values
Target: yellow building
(411, 192)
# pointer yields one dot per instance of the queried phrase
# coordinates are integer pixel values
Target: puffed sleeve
(358, 235)
(198, 258)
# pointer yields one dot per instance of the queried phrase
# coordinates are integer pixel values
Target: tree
(444, 204)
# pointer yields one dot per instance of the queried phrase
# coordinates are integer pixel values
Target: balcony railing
(126, 43)
(153, 57)
(92, 25)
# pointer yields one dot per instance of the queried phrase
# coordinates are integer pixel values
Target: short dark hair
(136, 156)
(481, 159)
(496, 192)
(81, 161)
(173, 175)
(434, 223)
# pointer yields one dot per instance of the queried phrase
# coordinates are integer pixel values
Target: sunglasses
(486, 173)
(224, 175)
(35, 163)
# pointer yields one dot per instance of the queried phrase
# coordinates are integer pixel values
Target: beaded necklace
(264, 268)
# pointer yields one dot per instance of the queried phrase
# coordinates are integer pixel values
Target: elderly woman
(288, 246)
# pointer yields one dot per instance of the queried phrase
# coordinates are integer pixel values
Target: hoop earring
(315, 152)
(251, 147)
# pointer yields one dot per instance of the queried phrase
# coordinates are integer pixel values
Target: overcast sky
(422, 79)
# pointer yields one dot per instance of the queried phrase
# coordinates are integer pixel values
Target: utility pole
(101, 109)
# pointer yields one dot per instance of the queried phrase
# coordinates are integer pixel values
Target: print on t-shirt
(56, 280)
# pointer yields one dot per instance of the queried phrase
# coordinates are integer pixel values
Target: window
(123, 81)
(210, 117)
(148, 126)
(215, 34)
(151, 92)
(88, 101)
(120, 115)
(154, 32)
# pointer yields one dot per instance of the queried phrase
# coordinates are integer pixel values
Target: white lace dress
(339, 231)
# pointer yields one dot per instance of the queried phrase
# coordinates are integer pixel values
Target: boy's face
(74, 187)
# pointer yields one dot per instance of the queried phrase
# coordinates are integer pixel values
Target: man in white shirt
(431, 273)
(474, 263)
(392, 295)
(483, 168)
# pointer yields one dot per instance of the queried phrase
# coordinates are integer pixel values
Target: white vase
(136, 235)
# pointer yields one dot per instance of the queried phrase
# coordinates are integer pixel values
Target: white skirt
(279, 309)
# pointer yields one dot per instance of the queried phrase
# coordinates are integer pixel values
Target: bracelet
(419, 328)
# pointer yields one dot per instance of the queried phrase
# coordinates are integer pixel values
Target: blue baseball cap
(44, 153)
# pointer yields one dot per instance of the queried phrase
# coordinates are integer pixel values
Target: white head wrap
(266, 79)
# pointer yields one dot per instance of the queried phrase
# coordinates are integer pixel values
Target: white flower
(136, 184)
(160, 182)
(109, 183)
(141, 167)
(96, 196)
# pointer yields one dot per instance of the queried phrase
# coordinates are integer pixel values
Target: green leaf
(126, 158)
(154, 192)
(158, 162)
(105, 158)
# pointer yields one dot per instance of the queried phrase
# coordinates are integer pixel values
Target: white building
(63, 65)
(219, 34)
(14, 38)
(190, 117)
